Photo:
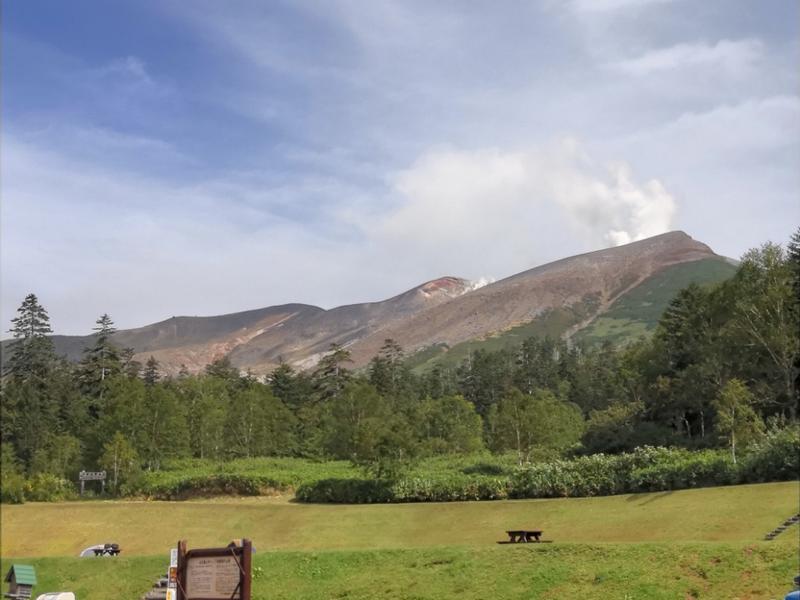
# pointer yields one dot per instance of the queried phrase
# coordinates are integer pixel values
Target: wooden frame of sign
(215, 573)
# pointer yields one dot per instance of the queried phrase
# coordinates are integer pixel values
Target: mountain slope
(637, 313)
(577, 289)
(590, 295)
(303, 342)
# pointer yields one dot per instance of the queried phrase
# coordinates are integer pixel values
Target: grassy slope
(637, 313)
(688, 544)
(142, 528)
(652, 571)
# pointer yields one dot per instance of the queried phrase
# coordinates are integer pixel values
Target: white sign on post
(172, 575)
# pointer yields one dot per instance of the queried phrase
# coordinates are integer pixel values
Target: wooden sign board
(214, 573)
(85, 476)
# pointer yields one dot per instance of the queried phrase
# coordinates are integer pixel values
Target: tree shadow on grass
(642, 499)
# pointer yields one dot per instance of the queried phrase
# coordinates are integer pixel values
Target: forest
(721, 372)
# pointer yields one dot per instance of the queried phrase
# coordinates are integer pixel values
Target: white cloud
(735, 57)
(456, 199)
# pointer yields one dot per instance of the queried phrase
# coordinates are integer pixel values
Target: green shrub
(12, 487)
(450, 488)
(185, 478)
(46, 487)
(346, 491)
(775, 458)
(408, 489)
(684, 469)
(225, 484)
(646, 469)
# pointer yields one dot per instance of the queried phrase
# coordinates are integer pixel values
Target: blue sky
(164, 158)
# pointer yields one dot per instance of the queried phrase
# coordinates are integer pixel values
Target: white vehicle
(101, 550)
(57, 596)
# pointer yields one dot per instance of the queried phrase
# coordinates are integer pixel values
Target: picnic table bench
(522, 536)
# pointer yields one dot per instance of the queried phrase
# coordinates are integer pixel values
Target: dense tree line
(721, 368)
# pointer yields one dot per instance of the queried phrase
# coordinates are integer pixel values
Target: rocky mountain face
(440, 313)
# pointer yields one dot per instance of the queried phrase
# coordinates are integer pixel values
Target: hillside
(611, 547)
(558, 298)
(633, 315)
(615, 293)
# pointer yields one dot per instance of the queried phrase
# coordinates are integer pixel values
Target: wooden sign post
(100, 476)
(214, 573)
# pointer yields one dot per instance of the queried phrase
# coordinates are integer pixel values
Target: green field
(548, 571)
(701, 543)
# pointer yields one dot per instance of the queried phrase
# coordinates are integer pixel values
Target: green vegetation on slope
(552, 323)
(636, 313)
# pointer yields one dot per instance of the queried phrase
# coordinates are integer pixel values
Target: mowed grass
(734, 514)
(656, 571)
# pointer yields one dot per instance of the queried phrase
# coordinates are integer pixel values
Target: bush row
(217, 484)
(647, 469)
(448, 488)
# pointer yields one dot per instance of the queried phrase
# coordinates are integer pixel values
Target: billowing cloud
(454, 197)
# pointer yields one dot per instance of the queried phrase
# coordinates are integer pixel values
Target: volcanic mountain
(591, 295)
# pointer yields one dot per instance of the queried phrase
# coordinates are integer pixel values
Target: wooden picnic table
(522, 536)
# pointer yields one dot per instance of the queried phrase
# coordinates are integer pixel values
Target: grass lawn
(553, 571)
(733, 513)
(701, 543)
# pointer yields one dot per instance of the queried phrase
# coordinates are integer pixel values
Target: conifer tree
(151, 374)
(331, 375)
(32, 354)
(101, 360)
(386, 370)
(793, 251)
(130, 366)
(290, 387)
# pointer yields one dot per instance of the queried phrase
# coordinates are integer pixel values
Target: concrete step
(782, 527)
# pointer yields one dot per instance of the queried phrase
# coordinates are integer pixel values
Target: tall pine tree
(101, 360)
(31, 354)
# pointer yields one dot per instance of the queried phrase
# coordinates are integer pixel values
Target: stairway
(782, 527)
(159, 591)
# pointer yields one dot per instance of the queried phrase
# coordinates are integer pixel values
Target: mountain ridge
(442, 312)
